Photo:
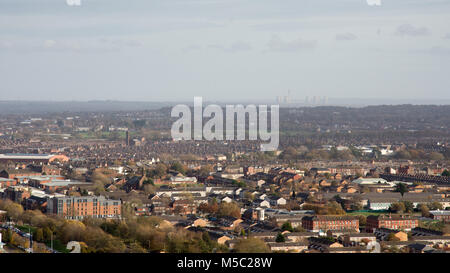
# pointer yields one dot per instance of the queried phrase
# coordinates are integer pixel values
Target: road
(24, 235)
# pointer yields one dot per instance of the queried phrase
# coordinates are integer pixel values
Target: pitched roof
(330, 218)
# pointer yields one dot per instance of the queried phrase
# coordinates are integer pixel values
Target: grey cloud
(280, 26)
(235, 47)
(435, 50)
(240, 46)
(70, 45)
(277, 44)
(438, 50)
(215, 46)
(67, 45)
(191, 48)
(346, 37)
(447, 36)
(121, 42)
(6, 44)
(410, 30)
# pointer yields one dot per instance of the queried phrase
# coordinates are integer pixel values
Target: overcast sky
(156, 50)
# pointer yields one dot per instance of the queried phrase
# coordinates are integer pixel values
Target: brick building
(6, 182)
(16, 173)
(78, 207)
(325, 222)
(32, 158)
(183, 207)
(16, 193)
(441, 215)
(404, 222)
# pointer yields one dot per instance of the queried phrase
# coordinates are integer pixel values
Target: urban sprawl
(344, 180)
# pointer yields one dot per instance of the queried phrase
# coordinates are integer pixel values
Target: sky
(169, 50)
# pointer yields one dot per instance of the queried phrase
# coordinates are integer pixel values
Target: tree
(334, 208)
(25, 243)
(249, 196)
(205, 170)
(435, 206)
(99, 188)
(135, 247)
(177, 166)
(6, 235)
(99, 177)
(229, 209)
(446, 173)
(242, 232)
(446, 229)
(280, 238)
(14, 210)
(409, 207)
(39, 235)
(251, 245)
(14, 239)
(47, 233)
(398, 207)
(365, 189)
(289, 153)
(403, 154)
(436, 156)
(362, 220)
(159, 171)
(392, 237)
(287, 226)
(356, 206)
(292, 205)
(424, 210)
(72, 231)
(299, 229)
(139, 123)
(148, 181)
(99, 241)
(240, 184)
(211, 207)
(149, 189)
(402, 188)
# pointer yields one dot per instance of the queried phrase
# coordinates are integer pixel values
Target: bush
(251, 245)
(280, 238)
(287, 226)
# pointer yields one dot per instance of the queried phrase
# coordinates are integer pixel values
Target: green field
(26, 228)
(58, 246)
(106, 135)
(366, 213)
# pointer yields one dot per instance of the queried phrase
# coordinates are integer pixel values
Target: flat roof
(62, 183)
(6, 179)
(25, 156)
(440, 212)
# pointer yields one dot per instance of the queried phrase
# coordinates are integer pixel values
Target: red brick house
(441, 215)
(404, 222)
(6, 182)
(326, 222)
(184, 207)
(13, 173)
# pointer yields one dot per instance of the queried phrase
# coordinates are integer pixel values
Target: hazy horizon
(41, 107)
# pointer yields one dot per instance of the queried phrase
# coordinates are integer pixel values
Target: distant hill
(17, 107)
